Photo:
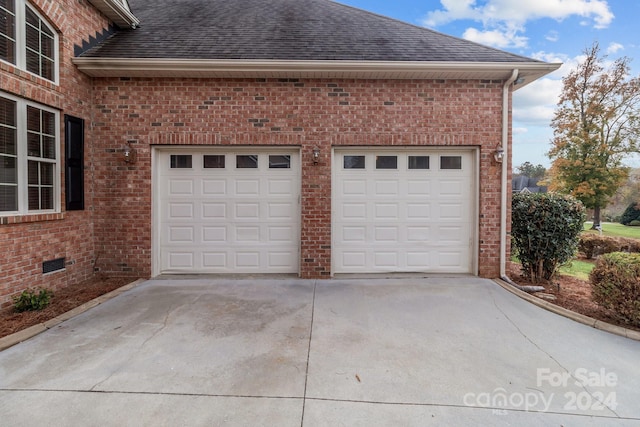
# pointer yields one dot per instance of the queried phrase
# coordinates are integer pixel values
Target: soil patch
(62, 301)
(570, 293)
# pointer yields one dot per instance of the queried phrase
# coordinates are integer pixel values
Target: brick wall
(306, 113)
(27, 241)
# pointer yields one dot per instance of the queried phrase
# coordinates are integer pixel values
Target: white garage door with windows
(234, 211)
(406, 210)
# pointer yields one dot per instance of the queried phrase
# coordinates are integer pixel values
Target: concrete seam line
(572, 315)
(32, 331)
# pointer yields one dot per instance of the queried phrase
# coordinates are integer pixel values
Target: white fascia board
(118, 11)
(133, 67)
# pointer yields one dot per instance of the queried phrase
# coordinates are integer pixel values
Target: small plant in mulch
(32, 300)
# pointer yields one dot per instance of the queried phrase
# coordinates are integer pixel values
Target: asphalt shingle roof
(320, 30)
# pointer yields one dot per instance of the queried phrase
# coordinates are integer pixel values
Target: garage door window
(213, 161)
(279, 162)
(386, 162)
(450, 162)
(181, 161)
(354, 162)
(247, 161)
(418, 162)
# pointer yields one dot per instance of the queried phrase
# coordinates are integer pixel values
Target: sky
(548, 30)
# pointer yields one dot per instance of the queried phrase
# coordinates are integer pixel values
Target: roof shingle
(314, 30)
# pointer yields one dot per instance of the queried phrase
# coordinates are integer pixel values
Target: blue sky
(548, 30)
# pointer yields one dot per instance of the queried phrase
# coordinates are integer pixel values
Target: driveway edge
(577, 317)
(25, 334)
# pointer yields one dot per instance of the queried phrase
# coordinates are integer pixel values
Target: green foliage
(596, 123)
(615, 284)
(635, 223)
(528, 169)
(592, 244)
(632, 213)
(545, 229)
(31, 300)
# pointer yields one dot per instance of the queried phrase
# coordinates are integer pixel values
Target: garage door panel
(228, 212)
(416, 211)
(181, 187)
(214, 210)
(215, 234)
(214, 187)
(181, 211)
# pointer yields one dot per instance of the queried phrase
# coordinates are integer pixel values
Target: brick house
(292, 136)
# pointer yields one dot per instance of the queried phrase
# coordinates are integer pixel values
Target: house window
(29, 158)
(279, 162)
(27, 40)
(418, 162)
(246, 161)
(451, 162)
(354, 162)
(386, 162)
(181, 161)
(215, 161)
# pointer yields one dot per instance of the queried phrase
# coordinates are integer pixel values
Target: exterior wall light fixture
(316, 155)
(498, 155)
(129, 153)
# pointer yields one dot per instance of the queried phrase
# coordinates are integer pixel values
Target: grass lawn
(578, 269)
(615, 229)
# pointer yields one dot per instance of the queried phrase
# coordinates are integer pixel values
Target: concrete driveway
(409, 352)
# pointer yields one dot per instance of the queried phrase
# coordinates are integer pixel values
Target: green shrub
(615, 283)
(31, 300)
(635, 223)
(632, 213)
(545, 229)
(592, 245)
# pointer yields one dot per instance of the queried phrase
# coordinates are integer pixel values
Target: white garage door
(403, 211)
(228, 212)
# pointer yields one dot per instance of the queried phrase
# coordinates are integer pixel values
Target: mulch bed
(62, 301)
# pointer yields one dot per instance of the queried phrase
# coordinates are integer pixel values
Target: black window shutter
(74, 163)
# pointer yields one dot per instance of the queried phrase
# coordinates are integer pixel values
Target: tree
(528, 169)
(597, 122)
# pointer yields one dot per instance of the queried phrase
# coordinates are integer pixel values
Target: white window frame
(21, 40)
(22, 161)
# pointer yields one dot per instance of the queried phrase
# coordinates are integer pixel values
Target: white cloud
(497, 38)
(614, 48)
(552, 36)
(504, 20)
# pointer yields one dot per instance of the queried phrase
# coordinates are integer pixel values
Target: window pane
(46, 198)
(33, 145)
(46, 174)
(8, 198)
(33, 39)
(247, 162)
(34, 198)
(7, 49)
(386, 162)
(354, 162)
(48, 147)
(418, 162)
(7, 140)
(33, 119)
(7, 112)
(8, 5)
(8, 170)
(279, 162)
(450, 162)
(34, 176)
(33, 62)
(32, 18)
(7, 32)
(48, 123)
(214, 161)
(181, 161)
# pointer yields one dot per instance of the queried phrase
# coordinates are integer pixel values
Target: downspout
(504, 187)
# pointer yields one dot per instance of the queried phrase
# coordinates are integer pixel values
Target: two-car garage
(237, 210)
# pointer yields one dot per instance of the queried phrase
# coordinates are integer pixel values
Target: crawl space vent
(53, 265)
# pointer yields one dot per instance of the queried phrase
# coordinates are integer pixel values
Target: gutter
(504, 187)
